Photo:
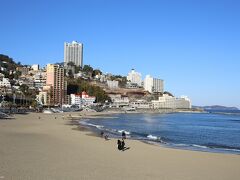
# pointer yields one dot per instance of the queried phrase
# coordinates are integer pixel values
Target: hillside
(216, 107)
(7, 66)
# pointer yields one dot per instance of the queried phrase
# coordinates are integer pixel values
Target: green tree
(17, 74)
(92, 90)
(166, 92)
(78, 68)
(70, 74)
(70, 63)
(24, 88)
(121, 79)
(87, 69)
(96, 72)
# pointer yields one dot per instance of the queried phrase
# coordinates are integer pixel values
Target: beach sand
(33, 148)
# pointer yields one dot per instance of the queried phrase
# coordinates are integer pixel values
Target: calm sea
(213, 132)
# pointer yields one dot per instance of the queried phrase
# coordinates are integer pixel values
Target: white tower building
(73, 52)
(153, 85)
(148, 83)
(135, 77)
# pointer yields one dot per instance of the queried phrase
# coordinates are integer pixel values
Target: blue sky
(194, 45)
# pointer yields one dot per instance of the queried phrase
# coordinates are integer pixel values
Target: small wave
(235, 150)
(221, 146)
(152, 137)
(126, 132)
(199, 146)
(179, 145)
(90, 124)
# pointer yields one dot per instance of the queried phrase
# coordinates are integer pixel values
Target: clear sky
(194, 45)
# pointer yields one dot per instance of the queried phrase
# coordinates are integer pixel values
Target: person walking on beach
(123, 135)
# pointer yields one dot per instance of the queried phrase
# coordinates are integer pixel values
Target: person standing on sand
(102, 133)
(123, 135)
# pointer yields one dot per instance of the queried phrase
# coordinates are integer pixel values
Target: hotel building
(73, 52)
(153, 85)
(170, 102)
(82, 99)
(55, 79)
(135, 77)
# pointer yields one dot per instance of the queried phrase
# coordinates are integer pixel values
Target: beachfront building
(112, 84)
(135, 77)
(118, 100)
(55, 79)
(141, 104)
(76, 99)
(153, 85)
(73, 52)
(87, 100)
(82, 99)
(170, 102)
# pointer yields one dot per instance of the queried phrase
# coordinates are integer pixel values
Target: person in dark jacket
(123, 135)
(119, 143)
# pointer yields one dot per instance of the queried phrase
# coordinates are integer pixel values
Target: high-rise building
(135, 77)
(153, 85)
(148, 83)
(55, 79)
(157, 85)
(73, 52)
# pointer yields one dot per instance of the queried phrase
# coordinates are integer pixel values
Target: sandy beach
(41, 146)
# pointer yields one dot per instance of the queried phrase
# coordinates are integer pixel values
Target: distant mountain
(216, 107)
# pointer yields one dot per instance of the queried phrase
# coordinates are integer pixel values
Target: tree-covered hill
(8, 66)
(79, 85)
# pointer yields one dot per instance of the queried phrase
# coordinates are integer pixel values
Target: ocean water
(212, 132)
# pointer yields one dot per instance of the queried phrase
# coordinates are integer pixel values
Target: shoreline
(94, 130)
(47, 148)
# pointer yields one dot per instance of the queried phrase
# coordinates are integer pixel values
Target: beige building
(24, 70)
(119, 100)
(55, 79)
(112, 84)
(170, 102)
